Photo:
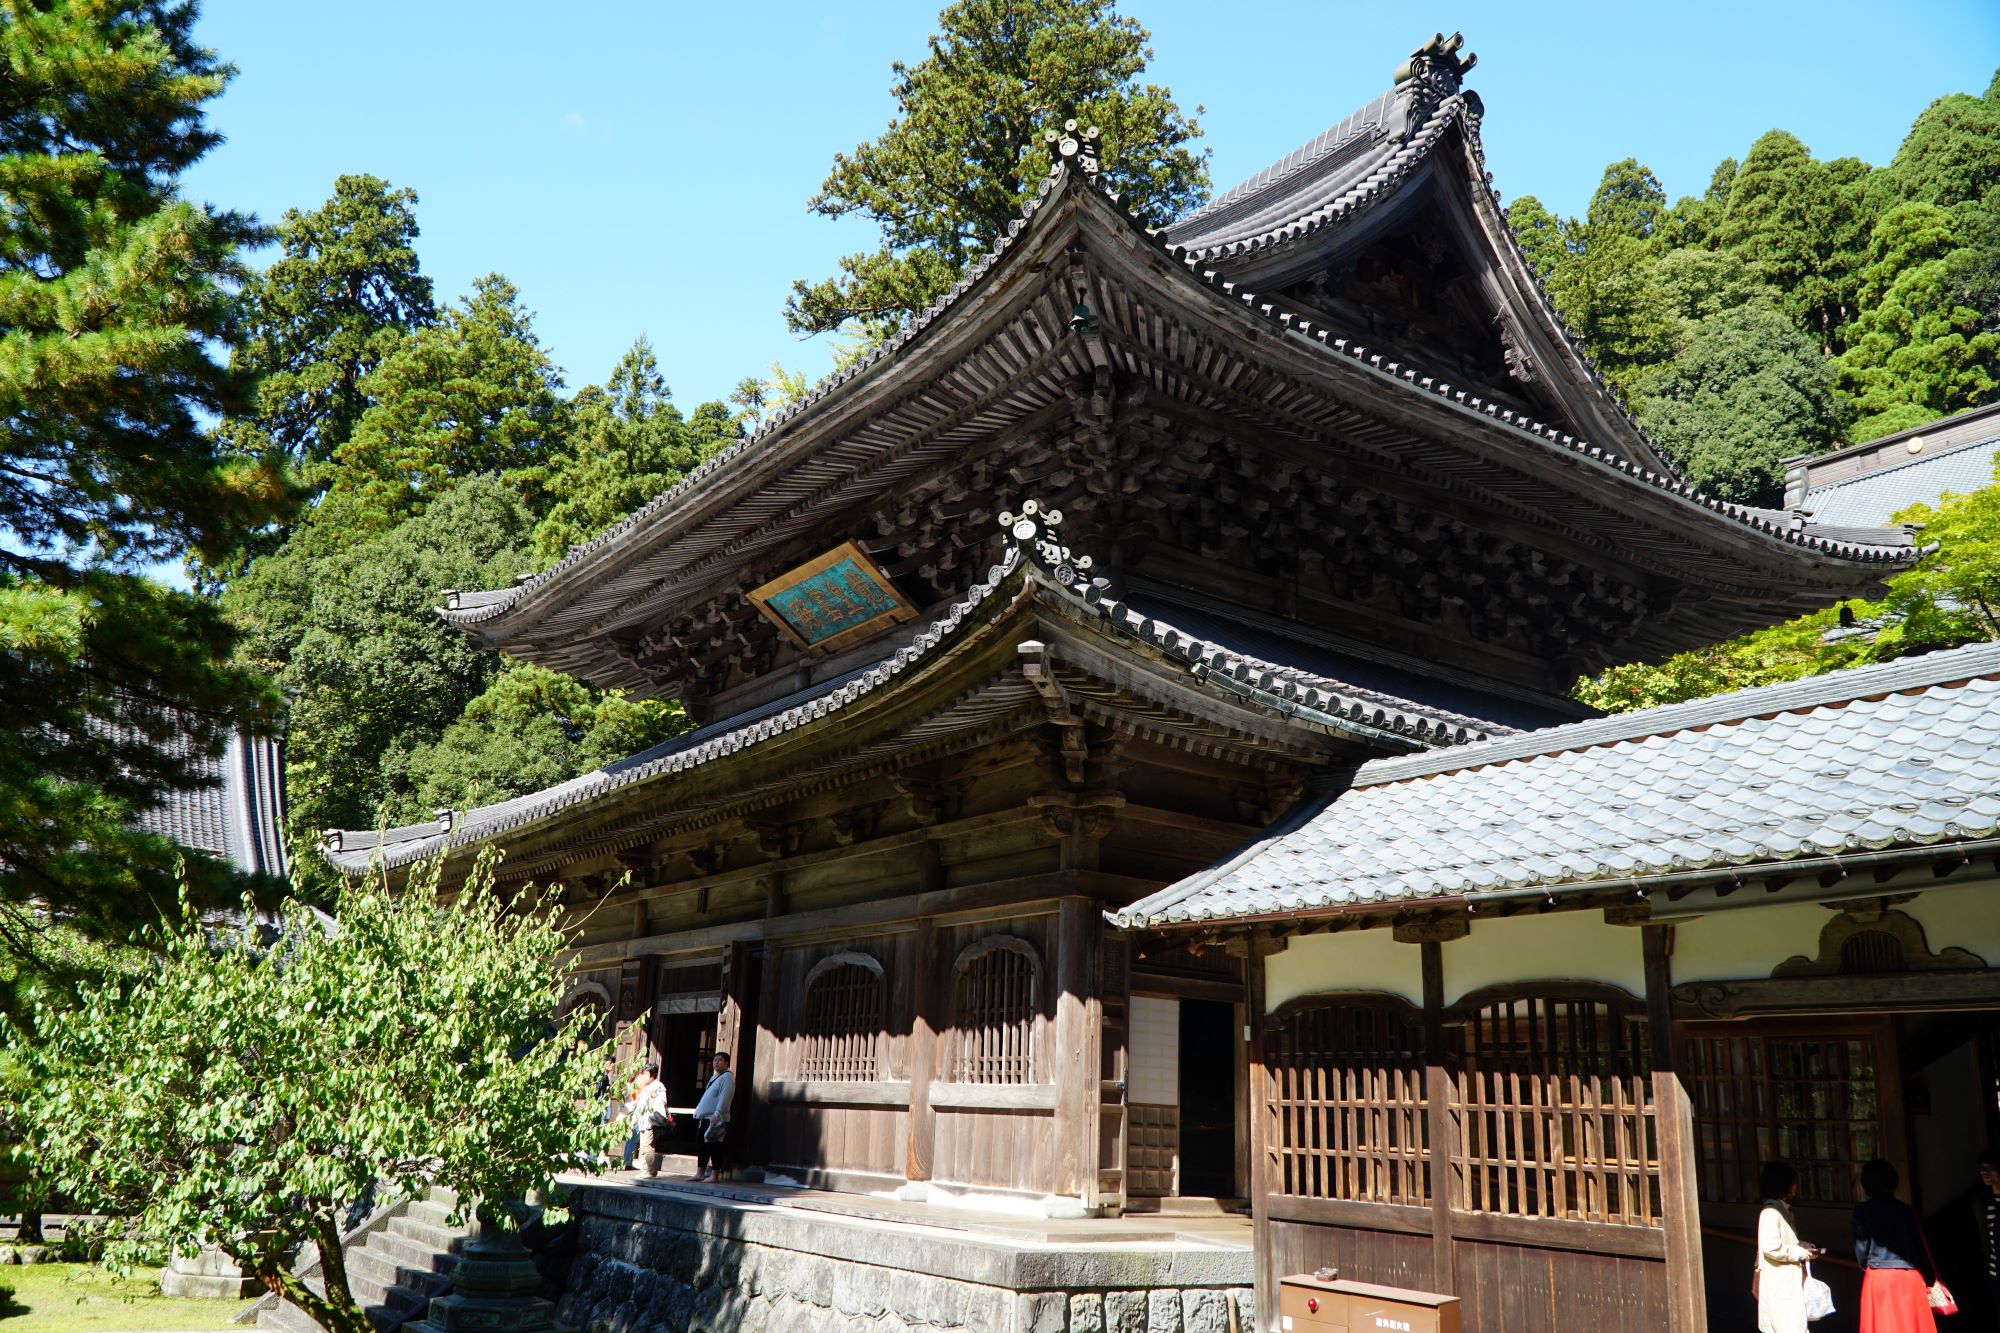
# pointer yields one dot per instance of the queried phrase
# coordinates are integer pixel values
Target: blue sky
(643, 168)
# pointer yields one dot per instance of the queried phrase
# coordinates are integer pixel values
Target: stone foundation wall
(657, 1262)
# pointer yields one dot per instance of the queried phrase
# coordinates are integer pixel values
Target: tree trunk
(31, 1228)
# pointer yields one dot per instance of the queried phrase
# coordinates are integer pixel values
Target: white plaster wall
(1154, 1051)
(1966, 915)
(1557, 946)
(1746, 943)
(1350, 960)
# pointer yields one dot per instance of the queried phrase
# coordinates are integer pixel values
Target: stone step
(440, 1239)
(432, 1212)
(390, 1272)
(409, 1254)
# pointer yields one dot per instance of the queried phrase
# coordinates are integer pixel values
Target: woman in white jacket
(1781, 1256)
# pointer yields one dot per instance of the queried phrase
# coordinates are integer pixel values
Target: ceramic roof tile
(237, 815)
(1892, 756)
(1874, 498)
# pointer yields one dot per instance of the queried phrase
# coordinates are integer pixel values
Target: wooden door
(1114, 1004)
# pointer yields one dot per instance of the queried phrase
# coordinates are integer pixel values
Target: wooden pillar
(924, 1021)
(1262, 1132)
(1680, 1199)
(763, 1066)
(1443, 1134)
(1078, 924)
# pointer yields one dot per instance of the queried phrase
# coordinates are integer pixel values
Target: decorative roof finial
(1435, 67)
(1071, 144)
(1033, 531)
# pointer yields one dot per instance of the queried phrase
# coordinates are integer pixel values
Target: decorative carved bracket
(777, 839)
(930, 802)
(708, 860)
(1065, 813)
(856, 823)
(1870, 939)
(1072, 743)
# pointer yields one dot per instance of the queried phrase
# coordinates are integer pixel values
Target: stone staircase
(400, 1262)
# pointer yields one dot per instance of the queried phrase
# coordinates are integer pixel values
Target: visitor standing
(711, 1113)
(649, 1117)
(1895, 1259)
(640, 1082)
(1780, 1274)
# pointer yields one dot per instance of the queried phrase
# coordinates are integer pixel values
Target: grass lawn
(83, 1298)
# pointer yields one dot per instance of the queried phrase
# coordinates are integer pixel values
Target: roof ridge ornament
(1071, 146)
(1435, 70)
(1032, 532)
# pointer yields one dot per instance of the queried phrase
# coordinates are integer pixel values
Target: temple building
(1082, 675)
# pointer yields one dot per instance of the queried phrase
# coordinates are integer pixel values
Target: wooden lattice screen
(994, 1003)
(1346, 1082)
(840, 1022)
(1811, 1099)
(1553, 1105)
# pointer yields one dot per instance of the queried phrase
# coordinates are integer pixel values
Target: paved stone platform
(757, 1257)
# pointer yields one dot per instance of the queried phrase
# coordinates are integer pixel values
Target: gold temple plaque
(836, 599)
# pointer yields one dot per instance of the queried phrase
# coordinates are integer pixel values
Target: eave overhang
(733, 507)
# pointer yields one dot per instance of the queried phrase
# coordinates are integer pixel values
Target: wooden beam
(1680, 1198)
(1261, 1130)
(1078, 924)
(923, 1052)
(1443, 1135)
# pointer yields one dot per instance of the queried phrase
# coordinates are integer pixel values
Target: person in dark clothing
(1897, 1271)
(1986, 1209)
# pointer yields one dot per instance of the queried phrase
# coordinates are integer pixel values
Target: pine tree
(965, 150)
(344, 291)
(116, 300)
(473, 394)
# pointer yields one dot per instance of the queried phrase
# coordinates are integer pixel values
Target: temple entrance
(1183, 1111)
(1828, 1093)
(684, 1044)
(1207, 1100)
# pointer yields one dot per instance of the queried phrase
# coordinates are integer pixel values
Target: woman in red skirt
(1896, 1263)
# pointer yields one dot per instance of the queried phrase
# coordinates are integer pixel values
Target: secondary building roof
(1900, 756)
(1938, 468)
(237, 816)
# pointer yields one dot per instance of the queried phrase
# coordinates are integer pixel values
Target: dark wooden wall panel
(839, 1138)
(1011, 1150)
(1529, 1289)
(1394, 1259)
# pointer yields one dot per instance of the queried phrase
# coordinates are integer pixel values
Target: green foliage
(1794, 305)
(530, 729)
(1920, 349)
(368, 668)
(1952, 597)
(965, 150)
(246, 1094)
(627, 443)
(474, 393)
(116, 303)
(1747, 390)
(342, 295)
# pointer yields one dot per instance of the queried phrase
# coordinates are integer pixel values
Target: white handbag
(1819, 1297)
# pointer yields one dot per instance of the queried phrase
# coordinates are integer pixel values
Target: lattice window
(995, 999)
(1552, 1098)
(841, 1019)
(1349, 1111)
(1811, 1100)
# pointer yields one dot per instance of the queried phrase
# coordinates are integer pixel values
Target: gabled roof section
(1903, 756)
(1378, 161)
(1296, 695)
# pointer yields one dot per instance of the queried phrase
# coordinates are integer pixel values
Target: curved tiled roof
(1903, 755)
(1288, 200)
(237, 814)
(1294, 692)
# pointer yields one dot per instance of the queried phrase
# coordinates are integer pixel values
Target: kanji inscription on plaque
(837, 599)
